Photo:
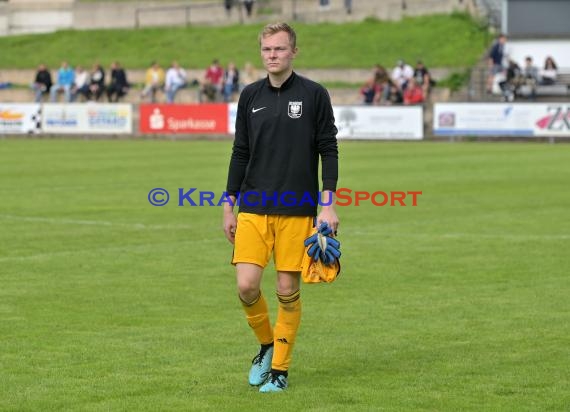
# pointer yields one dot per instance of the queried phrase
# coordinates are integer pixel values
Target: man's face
(277, 53)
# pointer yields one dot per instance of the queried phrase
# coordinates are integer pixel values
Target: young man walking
(284, 124)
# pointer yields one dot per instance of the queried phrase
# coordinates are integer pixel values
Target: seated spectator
(414, 93)
(175, 80)
(512, 82)
(530, 78)
(97, 83)
(248, 75)
(65, 81)
(380, 73)
(382, 83)
(401, 74)
(212, 83)
(423, 78)
(42, 83)
(231, 82)
(154, 81)
(119, 86)
(370, 92)
(549, 73)
(80, 84)
(392, 95)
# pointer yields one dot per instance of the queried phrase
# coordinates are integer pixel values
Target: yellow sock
(257, 315)
(288, 321)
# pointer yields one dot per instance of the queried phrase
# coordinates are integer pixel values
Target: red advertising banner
(183, 118)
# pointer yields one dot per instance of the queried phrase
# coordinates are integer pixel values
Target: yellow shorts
(259, 235)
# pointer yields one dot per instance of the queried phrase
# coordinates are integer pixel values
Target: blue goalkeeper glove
(322, 245)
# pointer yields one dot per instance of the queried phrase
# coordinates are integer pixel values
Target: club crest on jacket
(295, 110)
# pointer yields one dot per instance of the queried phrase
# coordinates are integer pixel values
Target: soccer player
(284, 123)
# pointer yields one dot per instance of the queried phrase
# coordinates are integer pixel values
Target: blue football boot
(261, 365)
(277, 382)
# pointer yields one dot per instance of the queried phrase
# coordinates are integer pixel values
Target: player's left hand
(328, 214)
(322, 245)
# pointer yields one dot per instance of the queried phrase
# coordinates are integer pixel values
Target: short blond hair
(273, 28)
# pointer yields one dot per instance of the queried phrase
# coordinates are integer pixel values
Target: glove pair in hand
(322, 245)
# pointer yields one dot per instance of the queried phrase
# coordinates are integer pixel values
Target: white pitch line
(509, 236)
(381, 229)
(132, 248)
(59, 221)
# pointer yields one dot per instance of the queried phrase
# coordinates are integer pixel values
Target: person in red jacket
(413, 93)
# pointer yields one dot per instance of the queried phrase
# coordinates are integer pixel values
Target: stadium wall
(530, 18)
(539, 50)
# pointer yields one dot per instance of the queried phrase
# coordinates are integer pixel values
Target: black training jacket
(280, 133)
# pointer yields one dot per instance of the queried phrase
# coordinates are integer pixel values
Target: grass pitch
(458, 304)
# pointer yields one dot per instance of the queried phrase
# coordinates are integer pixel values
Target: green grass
(458, 304)
(435, 39)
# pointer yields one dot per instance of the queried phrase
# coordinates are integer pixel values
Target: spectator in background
(370, 92)
(176, 79)
(65, 81)
(512, 82)
(228, 4)
(382, 80)
(80, 84)
(393, 95)
(119, 86)
(97, 83)
(549, 73)
(401, 74)
(154, 81)
(414, 93)
(497, 56)
(423, 78)
(248, 75)
(324, 4)
(379, 72)
(530, 78)
(212, 83)
(248, 4)
(231, 82)
(42, 83)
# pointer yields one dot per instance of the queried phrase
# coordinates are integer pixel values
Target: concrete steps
(189, 95)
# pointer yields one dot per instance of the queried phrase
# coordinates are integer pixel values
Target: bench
(560, 88)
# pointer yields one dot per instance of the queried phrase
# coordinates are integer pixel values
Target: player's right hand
(229, 226)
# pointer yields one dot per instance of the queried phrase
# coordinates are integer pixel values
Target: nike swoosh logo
(254, 110)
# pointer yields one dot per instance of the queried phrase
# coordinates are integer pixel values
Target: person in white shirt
(401, 74)
(549, 73)
(175, 80)
(80, 84)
